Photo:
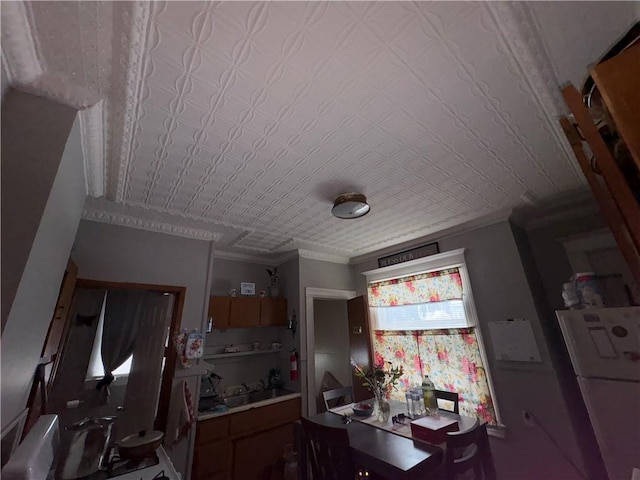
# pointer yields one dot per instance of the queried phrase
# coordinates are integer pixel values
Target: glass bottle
(429, 396)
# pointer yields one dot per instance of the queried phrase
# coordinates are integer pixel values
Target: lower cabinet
(244, 445)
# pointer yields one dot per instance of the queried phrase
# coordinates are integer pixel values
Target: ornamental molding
(26, 73)
(244, 257)
(323, 257)
(93, 148)
(516, 24)
(133, 26)
(19, 54)
(135, 221)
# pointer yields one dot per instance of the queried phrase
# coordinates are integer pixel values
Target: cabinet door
(274, 311)
(219, 309)
(245, 312)
(257, 454)
(213, 461)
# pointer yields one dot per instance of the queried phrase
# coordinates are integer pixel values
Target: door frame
(307, 331)
(170, 354)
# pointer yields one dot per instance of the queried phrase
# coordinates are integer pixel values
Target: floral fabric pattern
(451, 358)
(426, 287)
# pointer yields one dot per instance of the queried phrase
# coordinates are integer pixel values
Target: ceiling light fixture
(350, 205)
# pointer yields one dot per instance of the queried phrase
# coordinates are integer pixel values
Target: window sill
(120, 380)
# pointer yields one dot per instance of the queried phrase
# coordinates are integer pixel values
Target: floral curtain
(422, 288)
(451, 358)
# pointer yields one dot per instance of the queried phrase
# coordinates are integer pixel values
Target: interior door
(143, 385)
(359, 342)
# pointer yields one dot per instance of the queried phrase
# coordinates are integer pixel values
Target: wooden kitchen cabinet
(273, 311)
(219, 310)
(255, 455)
(244, 445)
(245, 312)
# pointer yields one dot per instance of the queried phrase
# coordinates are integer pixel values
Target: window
(423, 319)
(96, 369)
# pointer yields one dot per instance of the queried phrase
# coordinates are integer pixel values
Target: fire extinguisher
(293, 359)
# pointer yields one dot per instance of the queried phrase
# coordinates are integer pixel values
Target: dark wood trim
(607, 204)
(170, 353)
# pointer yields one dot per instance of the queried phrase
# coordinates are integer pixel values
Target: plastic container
(589, 290)
(429, 397)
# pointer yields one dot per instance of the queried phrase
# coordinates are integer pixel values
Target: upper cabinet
(219, 310)
(244, 312)
(273, 311)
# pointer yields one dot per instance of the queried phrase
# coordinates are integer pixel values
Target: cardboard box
(433, 429)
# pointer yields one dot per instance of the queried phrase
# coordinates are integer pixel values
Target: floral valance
(423, 288)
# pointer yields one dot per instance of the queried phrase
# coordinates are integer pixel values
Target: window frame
(442, 261)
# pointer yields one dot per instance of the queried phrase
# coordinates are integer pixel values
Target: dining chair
(469, 450)
(328, 451)
(338, 393)
(450, 397)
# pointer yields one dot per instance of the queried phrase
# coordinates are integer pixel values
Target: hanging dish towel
(180, 342)
(181, 416)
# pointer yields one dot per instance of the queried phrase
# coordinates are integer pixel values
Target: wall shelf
(242, 354)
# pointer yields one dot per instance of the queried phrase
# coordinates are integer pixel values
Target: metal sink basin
(253, 397)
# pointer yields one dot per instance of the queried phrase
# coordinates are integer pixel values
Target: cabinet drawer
(213, 429)
(213, 461)
(264, 417)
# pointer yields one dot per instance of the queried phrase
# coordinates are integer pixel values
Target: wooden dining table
(385, 449)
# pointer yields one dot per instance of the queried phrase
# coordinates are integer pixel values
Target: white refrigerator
(604, 346)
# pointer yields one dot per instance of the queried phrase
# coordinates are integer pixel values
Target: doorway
(331, 334)
(310, 387)
(117, 336)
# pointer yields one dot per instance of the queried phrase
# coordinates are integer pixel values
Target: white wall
(501, 291)
(577, 34)
(37, 293)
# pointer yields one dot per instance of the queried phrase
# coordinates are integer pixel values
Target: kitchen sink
(253, 397)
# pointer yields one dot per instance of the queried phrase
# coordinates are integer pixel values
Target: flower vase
(383, 409)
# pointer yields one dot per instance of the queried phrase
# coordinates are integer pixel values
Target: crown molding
(19, 53)
(491, 219)
(154, 225)
(134, 26)
(516, 24)
(323, 257)
(93, 148)
(243, 257)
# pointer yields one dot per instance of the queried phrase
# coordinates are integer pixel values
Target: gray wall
(290, 287)
(331, 328)
(121, 254)
(34, 136)
(501, 291)
(36, 295)
(228, 274)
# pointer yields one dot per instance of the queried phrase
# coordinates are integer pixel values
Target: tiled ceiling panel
(252, 116)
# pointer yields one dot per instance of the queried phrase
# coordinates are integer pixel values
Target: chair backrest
(338, 393)
(451, 397)
(470, 450)
(328, 451)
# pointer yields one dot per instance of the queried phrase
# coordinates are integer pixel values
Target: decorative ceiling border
(125, 220)
(25, 72)
(516, 25)
(134, 26)
(323, 257)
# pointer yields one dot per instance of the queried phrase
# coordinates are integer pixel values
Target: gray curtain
(121, 322)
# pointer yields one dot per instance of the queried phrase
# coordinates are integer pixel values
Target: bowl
(362, 409)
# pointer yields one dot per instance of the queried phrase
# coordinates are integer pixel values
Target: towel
(181, 416)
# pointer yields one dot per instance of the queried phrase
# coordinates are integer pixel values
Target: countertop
(242, 408)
